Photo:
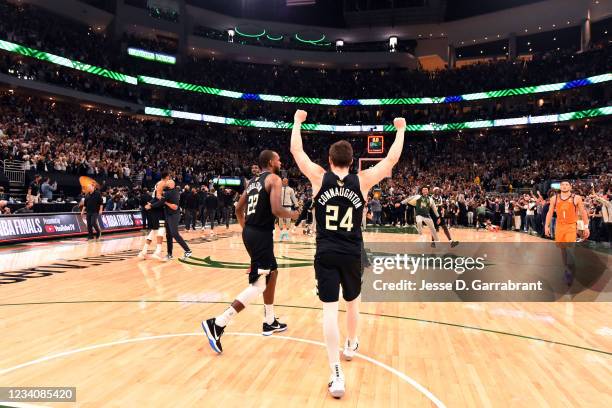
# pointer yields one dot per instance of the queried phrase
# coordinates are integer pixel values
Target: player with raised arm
(339, 199)
(424, 205)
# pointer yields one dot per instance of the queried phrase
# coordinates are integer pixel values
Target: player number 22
(252, 204)
(331, 215)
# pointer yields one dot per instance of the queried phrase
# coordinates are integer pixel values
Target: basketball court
(126, 332)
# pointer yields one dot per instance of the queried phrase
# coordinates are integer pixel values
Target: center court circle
(384, 366)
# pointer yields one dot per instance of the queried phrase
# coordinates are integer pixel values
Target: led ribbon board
(227, 181)
(55, 59)
(376, 102)
(151, 56)
(432, 127)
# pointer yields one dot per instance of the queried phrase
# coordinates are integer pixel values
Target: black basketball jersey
(158, 211)
(259, 211)
(438, 201)
(338, 213)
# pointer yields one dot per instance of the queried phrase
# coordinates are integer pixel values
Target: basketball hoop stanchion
(367, 162)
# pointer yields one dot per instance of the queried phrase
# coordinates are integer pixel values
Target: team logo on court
(282, 261)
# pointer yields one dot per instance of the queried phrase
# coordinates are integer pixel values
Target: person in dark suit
(92, 207)
(34, 189)
(145, 197)
(227, 204)
(201, 197)
(190, 202)
(211, 208)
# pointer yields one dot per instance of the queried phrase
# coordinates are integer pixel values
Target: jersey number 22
(252, 204)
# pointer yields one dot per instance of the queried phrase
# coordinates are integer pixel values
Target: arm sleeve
(410, 200)
(433, 207)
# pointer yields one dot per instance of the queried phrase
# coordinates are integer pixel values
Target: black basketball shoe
(275, 327)
(214, 333)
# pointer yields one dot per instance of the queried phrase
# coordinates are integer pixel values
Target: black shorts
(260, 246)
(155, 219)
(333, 271)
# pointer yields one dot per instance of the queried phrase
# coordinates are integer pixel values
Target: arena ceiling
(341, 13)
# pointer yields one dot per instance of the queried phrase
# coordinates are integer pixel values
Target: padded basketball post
(367, 162)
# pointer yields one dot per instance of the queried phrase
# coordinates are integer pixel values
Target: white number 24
(331, 215)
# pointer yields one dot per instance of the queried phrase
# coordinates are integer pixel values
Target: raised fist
(399, 123)
(300, 116)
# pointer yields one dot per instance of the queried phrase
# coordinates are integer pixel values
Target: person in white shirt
(530, 216)
(289, 201)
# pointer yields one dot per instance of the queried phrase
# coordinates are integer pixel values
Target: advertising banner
(19, 228)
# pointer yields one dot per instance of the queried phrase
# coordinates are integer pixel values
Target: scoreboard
(376, 144)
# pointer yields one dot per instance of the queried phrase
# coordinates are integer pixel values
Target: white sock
(158, 248)
(269, 314)
(333, 369)
(352, 320)
(145, 248)
(331, 332)
(223, 319)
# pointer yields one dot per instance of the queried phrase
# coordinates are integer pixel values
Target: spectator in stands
(606, 214)
(3, 195)
(4, 209)
(113, 203)
(28, 209)
(376, 209)
(47, 189)
(34, 190)
(27, 25)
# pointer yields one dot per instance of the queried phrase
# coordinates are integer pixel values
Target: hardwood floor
(126, 333)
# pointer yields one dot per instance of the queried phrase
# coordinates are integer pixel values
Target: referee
(288, 201)
(93, 206)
